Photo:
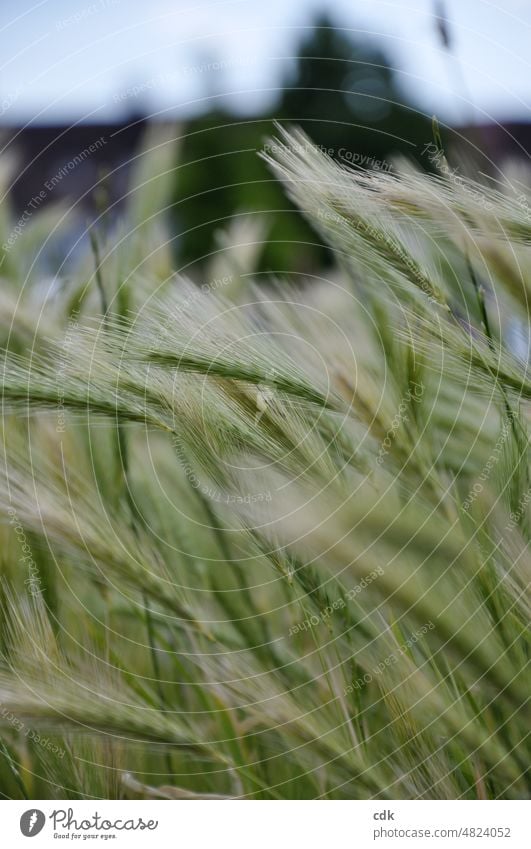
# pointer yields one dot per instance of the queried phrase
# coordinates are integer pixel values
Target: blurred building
(76, 164)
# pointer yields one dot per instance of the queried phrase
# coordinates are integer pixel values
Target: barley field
(267, 537)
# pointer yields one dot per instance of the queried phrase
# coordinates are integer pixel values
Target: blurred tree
(344, 93)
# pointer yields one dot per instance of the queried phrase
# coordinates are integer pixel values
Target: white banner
(272, 825)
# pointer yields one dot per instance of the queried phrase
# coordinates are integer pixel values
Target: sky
(103, 60)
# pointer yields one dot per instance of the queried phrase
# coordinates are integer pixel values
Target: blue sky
(98, 60)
